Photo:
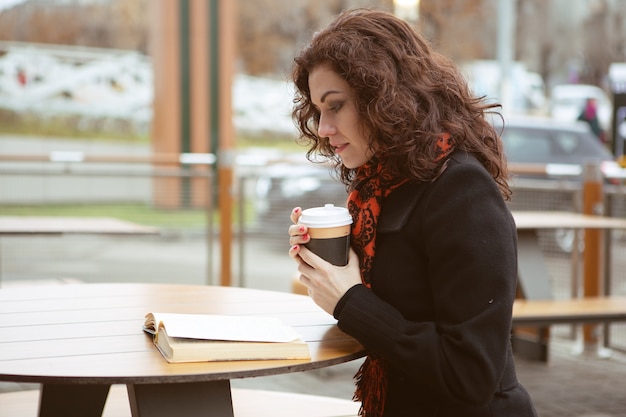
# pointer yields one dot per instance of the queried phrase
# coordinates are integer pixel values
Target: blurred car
(564, 148)
(283, 186)
(567, 101)
(547, 141)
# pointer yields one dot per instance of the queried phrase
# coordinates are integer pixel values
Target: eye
(336, 106)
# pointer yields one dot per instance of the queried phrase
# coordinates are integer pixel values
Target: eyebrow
(323, 98)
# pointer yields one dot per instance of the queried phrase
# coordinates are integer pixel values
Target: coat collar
(398, 207)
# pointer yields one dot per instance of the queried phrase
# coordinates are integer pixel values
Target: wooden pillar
(180, 54)
(593, 203)
(226, 134)
(193, 50)
(166, 120)
(199, 98)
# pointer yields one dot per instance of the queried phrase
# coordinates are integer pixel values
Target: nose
(326, 127)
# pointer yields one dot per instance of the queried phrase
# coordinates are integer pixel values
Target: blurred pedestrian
(21, 77)
(589, 114)
(432, 273)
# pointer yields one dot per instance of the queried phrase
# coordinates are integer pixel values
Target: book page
(218, 327)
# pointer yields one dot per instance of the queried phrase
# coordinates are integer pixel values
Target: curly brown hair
(406, 96)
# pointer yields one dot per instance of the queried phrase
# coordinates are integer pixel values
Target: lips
(340, 148)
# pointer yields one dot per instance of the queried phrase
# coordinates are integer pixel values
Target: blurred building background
(554, 42)
(559, 39)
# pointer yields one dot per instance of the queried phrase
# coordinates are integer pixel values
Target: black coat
(443, 284)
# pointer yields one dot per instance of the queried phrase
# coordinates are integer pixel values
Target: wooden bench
(536, 308)
(246, 403)
(571, 311)
(544, 313)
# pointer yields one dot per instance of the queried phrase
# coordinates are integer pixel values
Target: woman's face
(339, 120)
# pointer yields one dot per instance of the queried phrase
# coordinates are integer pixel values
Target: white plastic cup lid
(327, 216)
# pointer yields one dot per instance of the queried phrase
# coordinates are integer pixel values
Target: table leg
(534, 283)
(206, 399)
(71, 400)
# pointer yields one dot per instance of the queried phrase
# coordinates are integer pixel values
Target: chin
(349, 165)
(352, 164)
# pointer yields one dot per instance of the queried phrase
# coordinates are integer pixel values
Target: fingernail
(296, 210)
(294, 247)
(301, 229)
(305, 237)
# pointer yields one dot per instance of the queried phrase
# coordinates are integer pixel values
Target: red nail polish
(301, 228)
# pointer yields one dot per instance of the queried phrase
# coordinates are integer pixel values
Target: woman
(431, 279)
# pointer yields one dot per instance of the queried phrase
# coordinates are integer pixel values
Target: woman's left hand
(326, 283)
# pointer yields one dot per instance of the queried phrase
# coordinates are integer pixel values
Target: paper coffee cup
(329, 229)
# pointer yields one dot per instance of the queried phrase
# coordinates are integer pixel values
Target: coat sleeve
(467, 237)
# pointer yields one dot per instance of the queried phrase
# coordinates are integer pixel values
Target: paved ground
(576, 386)
(568, 386)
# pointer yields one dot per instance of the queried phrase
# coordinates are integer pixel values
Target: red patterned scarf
(372, 185)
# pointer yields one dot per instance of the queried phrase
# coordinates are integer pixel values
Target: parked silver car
(548, 141)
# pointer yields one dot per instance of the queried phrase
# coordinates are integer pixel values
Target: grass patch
(70, 127)
(193, 218)
(136, 213)
(74, 127)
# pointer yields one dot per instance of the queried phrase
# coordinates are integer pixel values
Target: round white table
(78, 340)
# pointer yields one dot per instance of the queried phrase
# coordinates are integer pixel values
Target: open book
(203, 337)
